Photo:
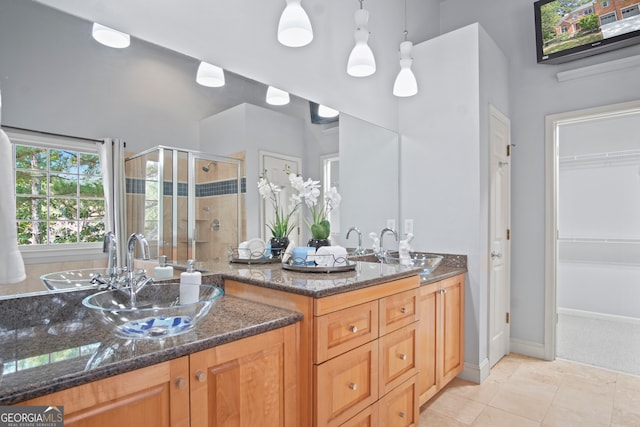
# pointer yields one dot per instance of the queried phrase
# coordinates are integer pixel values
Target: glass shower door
(216, 190)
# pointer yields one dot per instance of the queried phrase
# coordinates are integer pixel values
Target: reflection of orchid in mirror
(283, 223)
(309, 192)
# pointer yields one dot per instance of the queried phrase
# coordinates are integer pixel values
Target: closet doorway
(593, 242)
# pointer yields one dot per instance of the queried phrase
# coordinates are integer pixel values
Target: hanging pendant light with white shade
(277, 96)
(405, 84)
(294, 28)
(361, 62)
(210, 75)
(110, 37)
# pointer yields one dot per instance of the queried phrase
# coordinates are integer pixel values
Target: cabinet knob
(181, 382)
(353, 386)
(201, 376)
(402, 414)
(402, 356)
(353, 329)
(403, 310)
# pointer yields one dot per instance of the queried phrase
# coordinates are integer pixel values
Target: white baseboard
(475, 373)
(599, 316)
(527, 348)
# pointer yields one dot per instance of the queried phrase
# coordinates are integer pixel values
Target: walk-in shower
(188, 204)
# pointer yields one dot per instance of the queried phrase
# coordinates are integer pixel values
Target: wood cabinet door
(343, 330)
(398, 357)
(398, 310)
(246, 383)
(452, 304)
(157, 395)
(345, 385)
(399, 408)
(427, 342)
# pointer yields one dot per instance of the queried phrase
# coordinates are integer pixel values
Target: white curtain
(11, 262)
(112, 158)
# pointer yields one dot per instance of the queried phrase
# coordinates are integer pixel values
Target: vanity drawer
(398, 310)
(345, 385)
(400, 408)
(343, 330)
(398, 357)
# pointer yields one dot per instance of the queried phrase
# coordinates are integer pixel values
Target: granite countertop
(50, 342)
(320, 285)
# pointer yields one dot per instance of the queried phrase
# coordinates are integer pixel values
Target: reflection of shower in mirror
(208, 166)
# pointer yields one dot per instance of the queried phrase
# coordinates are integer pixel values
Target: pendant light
(294, 28)
(277, 96)
(327, 112)
(405, 84)
(110, 37)
(210, 75)
(361, 60)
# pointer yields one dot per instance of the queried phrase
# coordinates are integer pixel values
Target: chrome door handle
(495, 255)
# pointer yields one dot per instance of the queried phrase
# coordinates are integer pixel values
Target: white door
(499, 234)
(277, 168)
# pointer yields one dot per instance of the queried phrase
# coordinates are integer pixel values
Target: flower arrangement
(309, 192)
(283, 223)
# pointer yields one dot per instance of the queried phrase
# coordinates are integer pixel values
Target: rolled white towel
(331, 256)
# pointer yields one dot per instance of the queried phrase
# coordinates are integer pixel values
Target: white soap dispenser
(189, 281)
(162, 270)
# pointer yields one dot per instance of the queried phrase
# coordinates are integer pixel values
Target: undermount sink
(157, 311)
(71, 279)
(416, 259)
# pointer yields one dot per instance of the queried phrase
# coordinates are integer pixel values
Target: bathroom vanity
(279, 348)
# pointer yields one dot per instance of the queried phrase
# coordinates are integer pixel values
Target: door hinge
(508, 150)
(508, 317)
(508, 234)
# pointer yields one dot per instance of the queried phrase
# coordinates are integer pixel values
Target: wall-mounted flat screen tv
(572, 29)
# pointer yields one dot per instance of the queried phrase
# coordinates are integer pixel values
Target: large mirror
(55, 78)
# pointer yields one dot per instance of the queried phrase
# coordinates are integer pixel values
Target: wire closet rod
(52, 134)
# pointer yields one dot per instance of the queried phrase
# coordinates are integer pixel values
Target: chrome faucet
(135, 285)
(109, 246)
(359, 250)
(382, 233)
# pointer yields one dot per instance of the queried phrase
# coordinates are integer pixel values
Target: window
(331, 178)
(604, 3)
(59, 192)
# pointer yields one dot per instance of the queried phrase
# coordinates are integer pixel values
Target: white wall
(444, 182)
(368, 178)
(251, 128)
(240, 36)
(534, 93)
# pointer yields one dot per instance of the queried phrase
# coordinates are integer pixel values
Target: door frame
(552, 126)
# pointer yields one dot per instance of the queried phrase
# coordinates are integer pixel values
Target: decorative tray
(348, 266)
(255, 260)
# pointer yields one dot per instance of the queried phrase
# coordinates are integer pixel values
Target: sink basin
(71, 279)
(416, 259)
(159, 310)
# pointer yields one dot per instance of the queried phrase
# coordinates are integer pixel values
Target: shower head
(206, 168)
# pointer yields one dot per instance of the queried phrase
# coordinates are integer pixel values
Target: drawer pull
(181, 382)
(353, 329)
(402, 414)
(353, 386)
(402, 356)
(403, 310)
(201, 376)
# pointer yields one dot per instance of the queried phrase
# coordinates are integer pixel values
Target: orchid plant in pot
(309, 193)
(283, 222)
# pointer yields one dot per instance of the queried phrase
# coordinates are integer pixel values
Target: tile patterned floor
(523, 391)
